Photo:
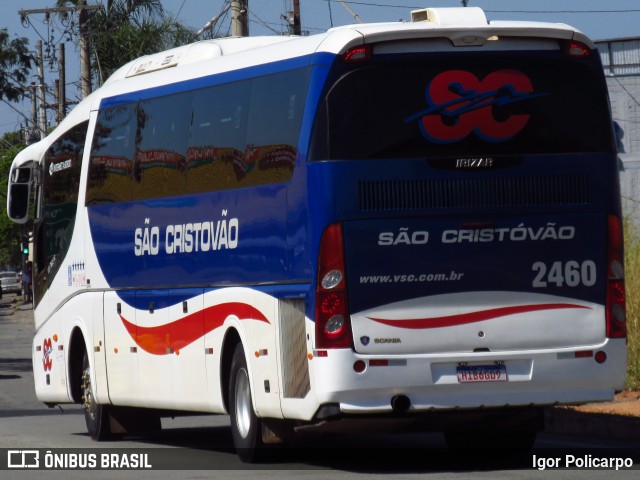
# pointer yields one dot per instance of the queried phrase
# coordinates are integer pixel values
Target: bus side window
(112, 152)
(218, 136)
(162, 132)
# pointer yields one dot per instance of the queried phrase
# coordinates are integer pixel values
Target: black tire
(96, 415)
(246, 427)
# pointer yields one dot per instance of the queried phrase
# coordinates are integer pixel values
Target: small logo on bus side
(60, 166)
(47, 350)
(365, 340)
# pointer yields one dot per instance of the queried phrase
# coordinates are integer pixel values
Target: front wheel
(246, 427)
(96, 415)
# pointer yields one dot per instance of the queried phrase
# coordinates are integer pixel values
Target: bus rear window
(431, 105)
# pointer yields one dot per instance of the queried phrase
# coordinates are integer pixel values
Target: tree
(127, 29)
(10, 233)
(15, 64)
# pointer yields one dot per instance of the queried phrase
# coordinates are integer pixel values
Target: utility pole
(31, 137)
(56, 98)
(297, 29)
(62, 92)
(350, 10)
(42, 113)
(293, 19)
(239, 18)
(85, 50)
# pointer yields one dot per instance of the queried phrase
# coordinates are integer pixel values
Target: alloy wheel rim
(243, 403)
(87, 398)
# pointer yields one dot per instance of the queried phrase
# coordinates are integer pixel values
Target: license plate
(482, 373)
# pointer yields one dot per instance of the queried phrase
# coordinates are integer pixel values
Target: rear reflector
(359, 366)
(378, 363)
(584, 354)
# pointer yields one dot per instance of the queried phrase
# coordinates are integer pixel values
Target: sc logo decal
(460, 103)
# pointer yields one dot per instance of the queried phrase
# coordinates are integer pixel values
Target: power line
(536, 12)
(263, 23)
(17, 111)
(546, 12)
(211, 23)
(180, 9)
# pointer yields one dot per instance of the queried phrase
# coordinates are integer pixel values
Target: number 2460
(571, 274)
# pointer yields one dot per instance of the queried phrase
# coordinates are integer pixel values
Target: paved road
(205, 442)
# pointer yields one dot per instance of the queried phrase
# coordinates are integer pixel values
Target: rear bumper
(430, 382)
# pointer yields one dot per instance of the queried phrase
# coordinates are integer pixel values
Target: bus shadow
(212, 448)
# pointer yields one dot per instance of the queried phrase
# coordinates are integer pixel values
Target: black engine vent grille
(567, 190)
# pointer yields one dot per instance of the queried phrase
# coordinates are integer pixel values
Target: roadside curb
(565, 421)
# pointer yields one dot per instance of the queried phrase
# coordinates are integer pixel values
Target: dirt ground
(626, 403)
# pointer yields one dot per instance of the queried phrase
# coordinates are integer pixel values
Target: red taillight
(576, 49)
(332, 314)
(616, 309)
(357, 54)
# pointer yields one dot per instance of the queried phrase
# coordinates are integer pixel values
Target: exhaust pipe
(400, 404)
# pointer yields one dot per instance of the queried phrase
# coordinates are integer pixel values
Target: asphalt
(618, 420)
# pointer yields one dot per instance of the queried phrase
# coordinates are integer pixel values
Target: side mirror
(19, 194)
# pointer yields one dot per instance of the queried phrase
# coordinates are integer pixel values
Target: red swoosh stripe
(472, 317)
(176, 335)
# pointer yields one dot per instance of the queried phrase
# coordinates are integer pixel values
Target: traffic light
(26, 240)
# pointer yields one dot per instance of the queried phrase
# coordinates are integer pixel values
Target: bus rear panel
(476, 193)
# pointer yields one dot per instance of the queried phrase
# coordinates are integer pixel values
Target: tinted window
(222, 137)
(218, 136)
(60, 185)
(465, 104)
(161, 144)
(112, 153)
(274, 123)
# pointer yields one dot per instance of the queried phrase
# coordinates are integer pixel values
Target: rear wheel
(96, 415)
(246, 427)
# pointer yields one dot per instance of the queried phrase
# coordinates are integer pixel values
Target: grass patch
(632, 284)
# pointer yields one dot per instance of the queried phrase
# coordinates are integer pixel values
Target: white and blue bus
(415, 221)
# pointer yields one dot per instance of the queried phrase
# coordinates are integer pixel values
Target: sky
(599, 19)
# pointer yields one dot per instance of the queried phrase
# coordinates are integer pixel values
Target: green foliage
(632, 284)
(10, 233)
(127, 29)
(15, 64)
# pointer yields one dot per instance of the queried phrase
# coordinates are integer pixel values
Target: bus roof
(464, 27)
